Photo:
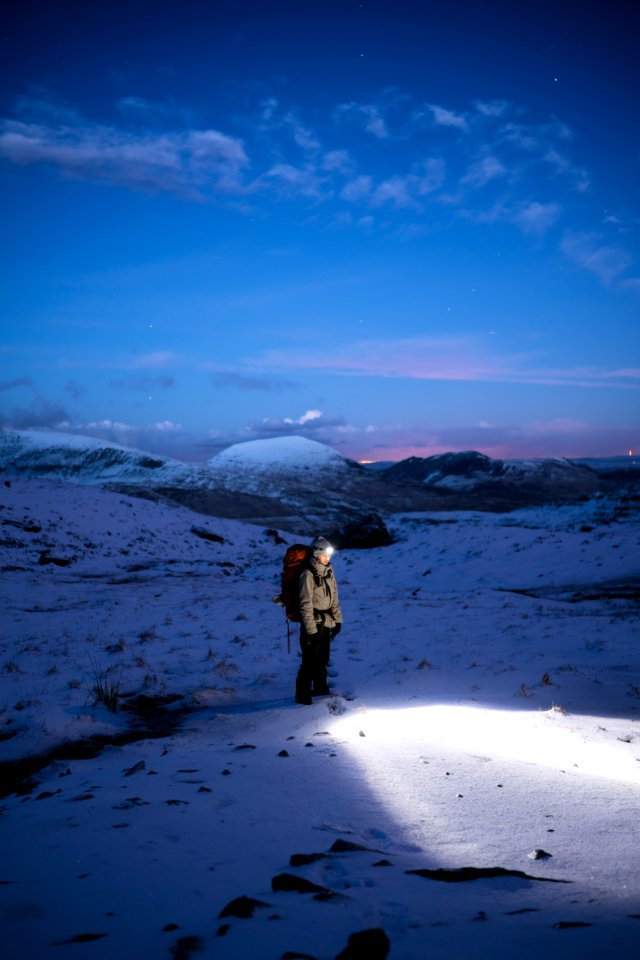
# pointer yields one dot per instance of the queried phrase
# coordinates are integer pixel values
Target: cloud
(463, 358)
(144, 384)
(164, 438)
(74, 389)
(492, 108)
(357, 189)
(409, 191)
(15, 383)
(193, 163)
(156, 360)
(484, 170)
(281, 158)
(149, 111)
(591, 252)
(541, 439)
(534, 138)
(422, 358)
(312, 423)
(443, 117)
(40, 415)
(239, 381)
(561, 164)
(535, 217)
(286, 120)
(366, 115)
(294, 181)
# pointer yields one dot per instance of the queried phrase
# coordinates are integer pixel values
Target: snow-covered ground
(486, 706)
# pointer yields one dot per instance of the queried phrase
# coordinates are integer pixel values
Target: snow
(86, 460)
(291, 452)
(486, 705)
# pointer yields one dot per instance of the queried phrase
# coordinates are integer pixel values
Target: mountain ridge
(298, 483)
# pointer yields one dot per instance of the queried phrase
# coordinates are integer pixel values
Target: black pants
(312, 675)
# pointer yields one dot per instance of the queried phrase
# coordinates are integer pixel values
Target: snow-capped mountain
(300, 484)
(514, 481)
(86, 460)
(262, 464)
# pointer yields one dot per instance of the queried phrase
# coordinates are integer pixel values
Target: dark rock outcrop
(363, 534)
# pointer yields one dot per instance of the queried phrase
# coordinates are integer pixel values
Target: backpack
(292, 564)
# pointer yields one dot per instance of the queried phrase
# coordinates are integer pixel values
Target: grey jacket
(319, 592)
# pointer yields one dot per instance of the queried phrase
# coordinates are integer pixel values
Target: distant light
(630, 454)
(375, 461)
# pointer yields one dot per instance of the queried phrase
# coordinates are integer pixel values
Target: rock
(136, 768)
(567, 924)
(302, 859)
(207, 535)
(347, 846)
(57, 561)
(289, 883)
(370, 944)
(185, 947)
(81, 938)
(538, 854)
(242, 907)
(363, 534)
(277, 539)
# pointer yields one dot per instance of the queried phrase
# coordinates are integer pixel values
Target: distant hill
(529, 481)
(302, 485)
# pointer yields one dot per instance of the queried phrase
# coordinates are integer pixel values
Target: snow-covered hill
(516, 481)
(275, 466)
(300, 484)
(292, 454)
(86, 460)
(469, 788)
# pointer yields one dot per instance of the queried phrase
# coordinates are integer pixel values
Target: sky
(397, 229)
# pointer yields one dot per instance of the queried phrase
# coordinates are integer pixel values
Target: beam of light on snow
(542, 738)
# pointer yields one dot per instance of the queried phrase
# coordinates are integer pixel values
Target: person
(320, 621)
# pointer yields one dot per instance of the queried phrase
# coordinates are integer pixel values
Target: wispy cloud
(535, 217)
(15, 383)
(294, 181)
(313, 423)
(240, 381)
(492, 108)
(157, 360)
(469, 359)
(368, 116)
(443, 117)
(191, 162)
(501, 167)
(482, 171)
(410, 190)
(143, 384)
(74, 389)
(39, 415)
(590, 251)
(152, 112)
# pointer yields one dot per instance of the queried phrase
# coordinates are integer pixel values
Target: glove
(336, 630)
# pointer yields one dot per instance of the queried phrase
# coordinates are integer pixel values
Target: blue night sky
(396, 228)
